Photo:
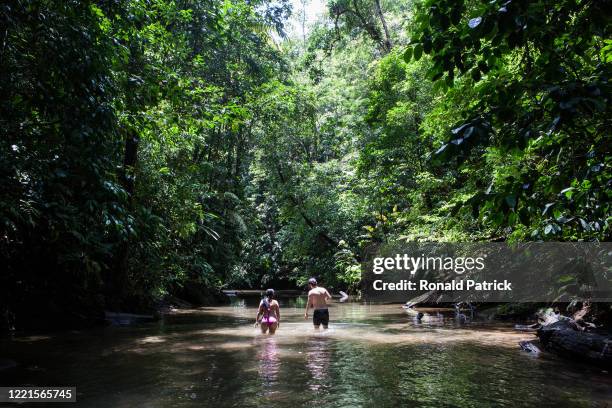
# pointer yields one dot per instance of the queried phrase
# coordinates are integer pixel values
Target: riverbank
(45, 315)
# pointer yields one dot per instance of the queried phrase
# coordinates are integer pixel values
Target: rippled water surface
(372, 356)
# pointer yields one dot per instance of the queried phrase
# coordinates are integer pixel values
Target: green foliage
(155, 147)
(125, 136)
(60, 201)
(539, 119)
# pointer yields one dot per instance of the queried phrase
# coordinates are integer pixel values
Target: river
(371, 356)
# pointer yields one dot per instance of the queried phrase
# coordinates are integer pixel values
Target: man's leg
(325, 318)
(316, 319)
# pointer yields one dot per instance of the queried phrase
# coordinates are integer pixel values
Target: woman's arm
(259, 313)
(278, 314)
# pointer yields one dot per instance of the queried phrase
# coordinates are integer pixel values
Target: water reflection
(269, 363)
(318, 354)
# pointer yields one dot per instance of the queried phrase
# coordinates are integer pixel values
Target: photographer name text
(455, 285)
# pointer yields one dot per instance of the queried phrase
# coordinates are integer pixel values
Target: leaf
(408, 54)
(511, 201)
(547, 207)
(438, 85)
(565, 278)
(449, 81)
(568, 192)
(483, 67)
(585, 225)
(469, 132)
(459, 129)
(474, 22)
(441, 149)
(475, 74)
(455, 209)
(554, 124)
(512, 218)
(418, 51)
(551, 229)
(437, 76)
(563, 219)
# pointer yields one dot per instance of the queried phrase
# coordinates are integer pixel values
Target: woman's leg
(264, 327)
(273, 327)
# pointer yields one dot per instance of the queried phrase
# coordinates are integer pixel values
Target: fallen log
(425, 297)
(527, 327)
(567, 339)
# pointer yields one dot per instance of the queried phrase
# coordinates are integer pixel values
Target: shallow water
(372, 355)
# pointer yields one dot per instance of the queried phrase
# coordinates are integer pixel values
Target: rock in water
(529, 347)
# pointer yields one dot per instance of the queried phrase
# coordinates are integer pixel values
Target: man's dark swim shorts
(320, 316)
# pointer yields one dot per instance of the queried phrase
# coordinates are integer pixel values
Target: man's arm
(327, 295)
(307, 306)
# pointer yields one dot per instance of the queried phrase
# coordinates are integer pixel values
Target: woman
(268, 314)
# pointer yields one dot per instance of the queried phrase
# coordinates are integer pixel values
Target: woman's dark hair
(270, 293)
(266, 300)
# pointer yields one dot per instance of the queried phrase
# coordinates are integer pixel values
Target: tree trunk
(130, 158)
(387, 41)
(118, 279)
(370, 28)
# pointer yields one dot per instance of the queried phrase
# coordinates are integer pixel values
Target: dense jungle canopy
(155, 147)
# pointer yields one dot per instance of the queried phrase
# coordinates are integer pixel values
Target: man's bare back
(317, 299)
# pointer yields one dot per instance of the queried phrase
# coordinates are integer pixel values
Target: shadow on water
(372, 356)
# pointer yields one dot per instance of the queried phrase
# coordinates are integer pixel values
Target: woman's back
(269, 310)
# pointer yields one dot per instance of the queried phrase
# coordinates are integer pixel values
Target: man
(317, 299)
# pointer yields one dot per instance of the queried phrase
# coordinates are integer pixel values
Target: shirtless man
(317, 299)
